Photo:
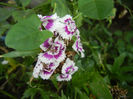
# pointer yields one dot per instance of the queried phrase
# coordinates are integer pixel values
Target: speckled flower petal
(38, 67)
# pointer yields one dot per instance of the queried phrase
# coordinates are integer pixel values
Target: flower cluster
(54, 57)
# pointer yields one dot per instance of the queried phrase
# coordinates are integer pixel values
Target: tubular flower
(55, 57)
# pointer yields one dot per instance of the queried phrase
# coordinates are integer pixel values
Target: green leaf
(3, 27)
(5, 13)
(30, 92)
(21, 53)
(60, 7)
(96, 9)
(19, 15)
(25, 2)
(118, 62)
(44, 95)
(99, 87)
(25, 35)
(81, 94)
(63, 96)
(126, 69)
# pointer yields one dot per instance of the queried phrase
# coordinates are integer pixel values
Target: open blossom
(67, 27)
(44, 70)
(77, 46)
(48, 22)
(53, 58)
(56, 52)
(68, 69)
(44, 46)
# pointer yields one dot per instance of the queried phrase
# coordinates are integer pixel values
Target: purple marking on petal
(47, 72)
(40, 28)
(46, 43)
(48, 55)
(69, 68)
(69, 19)
(58, 55)
(77, 46)
(51, 65)
(46, 17)
(64, 76)
(49, 24)
(66, 30)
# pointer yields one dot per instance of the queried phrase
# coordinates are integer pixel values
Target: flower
(56, 53)
(44, 70)
(67, 27)
(44, 46)
(64, 77)
(54, 49)
(68, 70)
(69, 67)
(48, 22)
(77, 46)
(38, 67)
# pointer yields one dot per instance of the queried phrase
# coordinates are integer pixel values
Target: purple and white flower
(38, 67)
(56, 53)
(49, 22)
(77, 46)
(44, 70)
(69, 67)
(68, 70)
(44, 46)
(64, 77)
(67, 27)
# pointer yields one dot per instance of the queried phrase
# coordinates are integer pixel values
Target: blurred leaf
(120, 45)
(43, 94)
(3, 27)
(25, 2)
(79, 21)
(81, 94)
(18, 15)
(5, 13)
(21, 53)
(25, 35)
(80, 78)
(96, 9)
(129, 36)
(99, 87)
(118, 62)
(126, 69)
(60, 7)
(63, 96)
(30, 92)
(118, 33)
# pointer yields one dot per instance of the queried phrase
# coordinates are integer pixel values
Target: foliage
(106, 33)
